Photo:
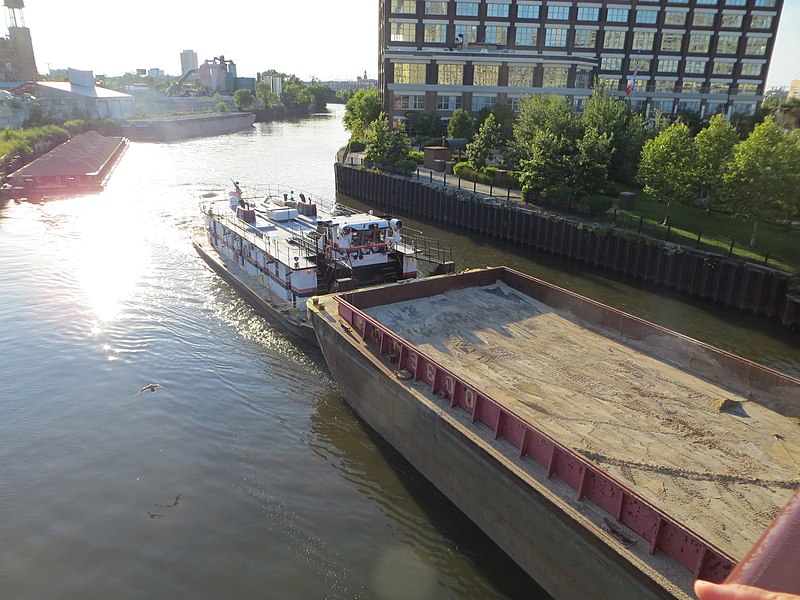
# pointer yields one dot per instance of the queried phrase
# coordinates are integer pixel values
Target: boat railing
(428, 249)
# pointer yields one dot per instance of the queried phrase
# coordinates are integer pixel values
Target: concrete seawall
(734, 283)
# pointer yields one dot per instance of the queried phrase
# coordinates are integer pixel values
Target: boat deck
(715, 461)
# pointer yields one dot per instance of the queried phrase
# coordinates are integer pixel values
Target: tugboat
(278, 251)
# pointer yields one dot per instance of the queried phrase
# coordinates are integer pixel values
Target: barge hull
(559, 548)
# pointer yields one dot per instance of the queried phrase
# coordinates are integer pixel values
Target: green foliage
(265, 95)
(715, 146)
(426, 125)
(385, 146)
(669, 167)
(490, 175)
(342, 96)
(460, 125)
(762, 178)
(625, 128)
(361, 110)
(295, 95)
(243, 99)
(35, 118)
(417, 156)
(322, 94)
(505, 117)
(221, 106)
(24, 142)
(542, 113)
(76, 126)
(487, 139)
(357, 146)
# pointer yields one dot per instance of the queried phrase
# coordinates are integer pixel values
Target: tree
(542, 112)
(460, 125)
(546, 169)
(762, 178)
(243, 99)
(295, 95)
(265, 95)
(668, 167)
(425, 125)
(360, 111)
(625, 128)
(322, 94)
(384, 145)
(487, 139)
(398, 148)
(505, 117)
(589, 167)
(715, 145)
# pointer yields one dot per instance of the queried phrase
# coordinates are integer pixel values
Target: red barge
(608, 456)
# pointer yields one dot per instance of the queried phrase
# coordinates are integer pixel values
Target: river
(246, 475)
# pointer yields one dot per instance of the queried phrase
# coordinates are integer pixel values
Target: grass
(778, 246)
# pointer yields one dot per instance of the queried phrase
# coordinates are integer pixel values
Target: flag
(632, 82)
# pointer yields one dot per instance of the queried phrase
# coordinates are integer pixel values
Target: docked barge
(608, 456)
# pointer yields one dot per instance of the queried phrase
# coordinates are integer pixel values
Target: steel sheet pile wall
(731, 282)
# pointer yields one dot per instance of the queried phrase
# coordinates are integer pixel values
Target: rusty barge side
(573, 526)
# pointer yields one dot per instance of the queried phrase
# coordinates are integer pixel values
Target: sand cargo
(608, 456)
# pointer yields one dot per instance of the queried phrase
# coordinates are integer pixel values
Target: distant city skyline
(311, 38)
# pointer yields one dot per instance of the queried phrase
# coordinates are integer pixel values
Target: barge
(174, 128)
(608, 456)
(278, 250)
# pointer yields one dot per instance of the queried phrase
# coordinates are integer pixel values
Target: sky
(327, 39)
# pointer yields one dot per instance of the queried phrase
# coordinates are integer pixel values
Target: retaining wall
(731, 282)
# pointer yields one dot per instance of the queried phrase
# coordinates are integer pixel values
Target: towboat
(279, 250)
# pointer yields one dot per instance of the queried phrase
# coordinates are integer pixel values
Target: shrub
(407, 165)
(597, 203)
(76, 126)
(417, 156)
(430, 142)
(357, 146)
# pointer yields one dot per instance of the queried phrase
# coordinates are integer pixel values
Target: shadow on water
(384, 475)
(752, 336)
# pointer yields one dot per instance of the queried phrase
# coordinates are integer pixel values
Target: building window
(715, 108)
(765, 3)
(643, 64)
(643, 40)
(451, 74)
(723, 68)
(744, 108)
(526, 36)
(699, 42)
(617, 15)
(558, 13)
(691, 87)
(675, 17)
(614, 40)
(662, 106)
(611, 63)
(664, 86)
(756, 45)
(735, 2)
(468, 33)
(703, 19)
(520, 76)
(731, 21)
(649, 17)
(555, 38)
(751, 69)
(403, 32)
(467, 9)
(527, 11)
(435, 33)
(707, 2)
(485, 75)
(748, 88)
(481, 102)
(448, 102)
(494, 9)
(668, 65)
(435, 8)
(717, 87)
(588, 13)
(409, 73)
(583, 78)
(555, 77)
(585, 38)
(409, 102)
(496, 34)
(695, 66)
(404, 6)
(727, 44)
(671, 42)
(514, 103)
(689, 106)
(760, 22)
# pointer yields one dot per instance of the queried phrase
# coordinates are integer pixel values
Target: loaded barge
(608, 456)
